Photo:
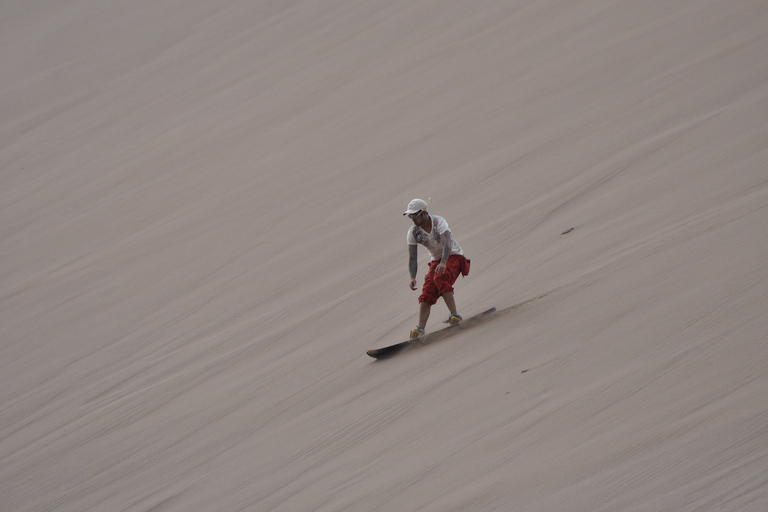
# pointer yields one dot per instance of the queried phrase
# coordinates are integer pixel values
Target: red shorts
(435, 285)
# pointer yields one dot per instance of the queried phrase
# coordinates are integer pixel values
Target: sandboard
(424, 339)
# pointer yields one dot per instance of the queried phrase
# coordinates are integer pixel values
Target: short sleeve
(411, 238)
(441, 225)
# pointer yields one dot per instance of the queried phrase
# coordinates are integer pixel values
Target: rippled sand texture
(201, 234)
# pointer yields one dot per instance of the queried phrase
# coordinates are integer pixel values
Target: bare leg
(450, 302)
(424, 309)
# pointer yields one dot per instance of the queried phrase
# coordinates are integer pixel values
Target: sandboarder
(447, 262)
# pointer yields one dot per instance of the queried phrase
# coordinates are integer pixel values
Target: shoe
(418, 331)
(454, 319)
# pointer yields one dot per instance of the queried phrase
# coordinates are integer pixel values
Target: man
(447, 263)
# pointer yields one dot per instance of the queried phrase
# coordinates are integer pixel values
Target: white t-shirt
(432, 240)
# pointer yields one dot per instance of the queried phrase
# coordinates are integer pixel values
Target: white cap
(416, 206)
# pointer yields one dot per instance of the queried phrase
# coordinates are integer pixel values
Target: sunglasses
(414, 215)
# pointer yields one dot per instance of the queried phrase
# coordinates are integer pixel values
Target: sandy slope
(200, 236)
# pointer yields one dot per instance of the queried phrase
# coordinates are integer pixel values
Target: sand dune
(201, 235)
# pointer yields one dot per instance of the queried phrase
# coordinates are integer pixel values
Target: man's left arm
(447, 240)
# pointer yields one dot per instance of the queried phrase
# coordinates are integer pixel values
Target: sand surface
(201, 235)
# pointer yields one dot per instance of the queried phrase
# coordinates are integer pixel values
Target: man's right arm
(413, 264)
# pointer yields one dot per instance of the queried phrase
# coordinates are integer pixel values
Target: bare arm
(413, 264)
(447, 239)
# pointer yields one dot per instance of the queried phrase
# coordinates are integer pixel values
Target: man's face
(416, 217)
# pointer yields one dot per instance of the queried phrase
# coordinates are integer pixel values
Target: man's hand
(413, 284)
(440, 268)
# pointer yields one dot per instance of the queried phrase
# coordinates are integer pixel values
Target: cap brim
(409, 212)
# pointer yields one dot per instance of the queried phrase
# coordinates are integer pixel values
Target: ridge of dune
(201, 235)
